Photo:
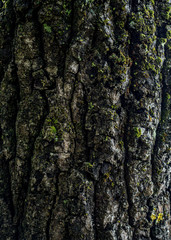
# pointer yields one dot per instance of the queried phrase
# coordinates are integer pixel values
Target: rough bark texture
(85, 123)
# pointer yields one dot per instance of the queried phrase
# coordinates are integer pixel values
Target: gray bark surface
(85, 122)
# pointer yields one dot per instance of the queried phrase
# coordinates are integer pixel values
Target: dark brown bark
(85, 120)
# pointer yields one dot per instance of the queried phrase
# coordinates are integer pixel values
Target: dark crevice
(47, 110)
(125, 104)
(152, 234)
(40, 39)
(157, 152)
(16, 100)
(1, 141)
(95, 212)
(21, 9)
(95, 37)
(134, 5)
(87, 153)
(17, 86)
(153, 155)
(65, 48)
(150, 209)
(71, 113)
(16, 82)
(67, 233)
(6, 195)
(8, 21)
(2, 71)
(126, 172)
(72, 24)
(87, 175)
(11, 118)
(161, 126)
(11, 205)
(31, 79)
(52, 208)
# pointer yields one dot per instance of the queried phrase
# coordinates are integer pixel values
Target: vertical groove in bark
(95, 214)
(48, 234)
(14, 141)
(9, 89)
(126, 175)
(40, 40)
(11, 166)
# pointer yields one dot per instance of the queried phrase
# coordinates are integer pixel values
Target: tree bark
(85, 122)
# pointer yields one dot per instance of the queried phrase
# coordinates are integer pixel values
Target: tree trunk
(85, 122)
